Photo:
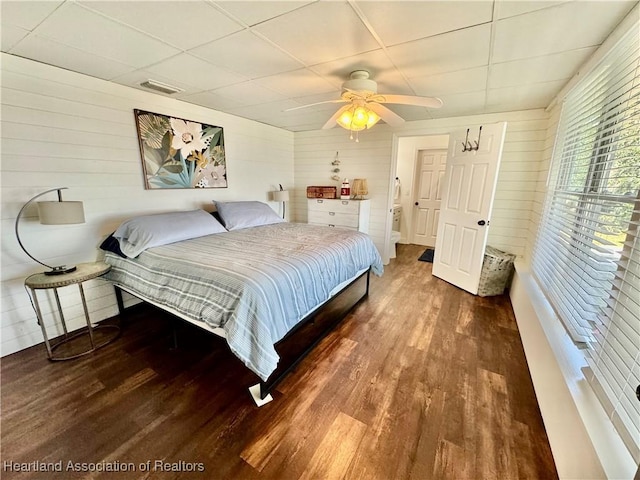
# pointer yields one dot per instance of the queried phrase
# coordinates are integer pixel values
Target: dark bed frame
(327, 317)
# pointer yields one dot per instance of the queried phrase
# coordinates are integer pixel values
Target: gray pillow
(237, 215)
(137, 234)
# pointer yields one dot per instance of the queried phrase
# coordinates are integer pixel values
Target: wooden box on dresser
(352, 214)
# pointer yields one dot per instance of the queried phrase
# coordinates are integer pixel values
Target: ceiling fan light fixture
(357, 117)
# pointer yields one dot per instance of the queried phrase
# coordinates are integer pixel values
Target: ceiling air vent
(160, 87)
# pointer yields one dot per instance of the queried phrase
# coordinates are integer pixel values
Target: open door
(467, 199)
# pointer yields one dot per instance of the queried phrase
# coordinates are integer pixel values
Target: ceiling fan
(365, 105)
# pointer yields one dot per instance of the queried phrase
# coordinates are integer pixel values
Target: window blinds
(587, 253)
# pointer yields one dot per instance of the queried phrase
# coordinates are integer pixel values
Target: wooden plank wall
(63, 129)
(371, 158)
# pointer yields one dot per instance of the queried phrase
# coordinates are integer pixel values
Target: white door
(467, 200)
(430, 170)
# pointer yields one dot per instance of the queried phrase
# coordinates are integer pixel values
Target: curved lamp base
(60, 270)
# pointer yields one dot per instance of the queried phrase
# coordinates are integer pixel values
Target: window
(587, 253)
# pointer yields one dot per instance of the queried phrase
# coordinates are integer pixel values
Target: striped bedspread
(256, 283)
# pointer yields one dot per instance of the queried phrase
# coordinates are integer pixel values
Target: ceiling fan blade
(385, 114)
(429, 102)
(317, 103)
(332, 121)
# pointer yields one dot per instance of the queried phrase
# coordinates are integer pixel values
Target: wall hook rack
(468, 146)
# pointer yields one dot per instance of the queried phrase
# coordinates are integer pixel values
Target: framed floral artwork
(178, 153)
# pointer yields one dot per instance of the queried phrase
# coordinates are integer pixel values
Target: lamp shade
(281, 196)
(60, 213)
(359, 187)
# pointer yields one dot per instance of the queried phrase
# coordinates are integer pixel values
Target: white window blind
(587, 253)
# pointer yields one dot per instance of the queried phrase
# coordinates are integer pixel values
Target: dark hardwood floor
(420, 381)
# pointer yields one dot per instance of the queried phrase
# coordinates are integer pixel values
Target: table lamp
(359, 188)
(53, 213)
(281, 195)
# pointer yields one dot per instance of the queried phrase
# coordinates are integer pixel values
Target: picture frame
(180, 153)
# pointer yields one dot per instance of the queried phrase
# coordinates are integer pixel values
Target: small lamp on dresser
(360, 188)
(281, 195)
(53, 213)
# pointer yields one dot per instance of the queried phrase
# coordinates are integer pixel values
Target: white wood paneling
(63, 129)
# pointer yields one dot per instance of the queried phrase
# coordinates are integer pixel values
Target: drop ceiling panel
(266, 111)
(511, 8)
(337, 71)
(53, 53)
(319, 32)
(460, 104)
(298, 83)
(246, 54)
(249, 93)
(559, 66)
(410, 113)
(181, 24)
(252, 13)
(11, 35)
(195, 72)
(27, 15)
(400, 22)
(211, 100)
(462, 81)
(448, 52)
(564, 27)
(523, 97)
(77, 27)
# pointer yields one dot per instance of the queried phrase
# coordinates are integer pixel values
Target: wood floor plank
(421, 381)
(336, 450)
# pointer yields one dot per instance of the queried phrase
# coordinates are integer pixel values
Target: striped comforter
(256, 283)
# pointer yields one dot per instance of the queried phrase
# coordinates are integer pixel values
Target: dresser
(352, 214)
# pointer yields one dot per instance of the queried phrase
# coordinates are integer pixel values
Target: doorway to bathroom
(417, 184)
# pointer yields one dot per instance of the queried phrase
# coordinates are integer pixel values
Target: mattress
(256, 284)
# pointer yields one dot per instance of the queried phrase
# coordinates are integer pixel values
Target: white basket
(497, 269)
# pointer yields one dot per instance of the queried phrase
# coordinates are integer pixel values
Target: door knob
(481, 223)
(417, 203)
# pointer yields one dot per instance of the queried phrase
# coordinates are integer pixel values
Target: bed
(251, 285)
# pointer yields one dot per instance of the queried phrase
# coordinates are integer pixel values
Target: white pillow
(237, 215)
(137, 234)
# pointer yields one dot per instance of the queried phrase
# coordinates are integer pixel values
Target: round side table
(83, 272)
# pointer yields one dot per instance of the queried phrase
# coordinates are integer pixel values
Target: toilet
(395, 229)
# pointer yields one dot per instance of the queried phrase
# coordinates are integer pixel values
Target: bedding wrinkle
(256, 283)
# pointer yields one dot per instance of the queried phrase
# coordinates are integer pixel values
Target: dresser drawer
(333, 218)
(336, 206)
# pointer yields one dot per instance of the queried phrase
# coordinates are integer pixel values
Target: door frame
(427, 139)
